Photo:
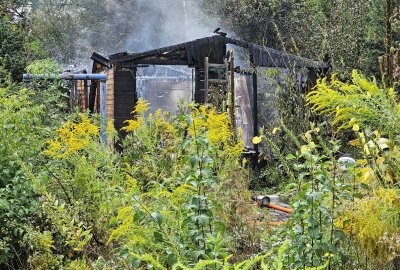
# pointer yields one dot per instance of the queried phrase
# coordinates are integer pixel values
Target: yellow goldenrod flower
(72, 137)
(304, 148)
(355, 142)
(307, 136)
(311, 145)
(366, 149)
(216, 125)
(133, 124)
(275, 130)
(256, 140)
(110, 129)
(141, 107)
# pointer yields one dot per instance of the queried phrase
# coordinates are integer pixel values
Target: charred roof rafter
(166, 58)
(192, 53)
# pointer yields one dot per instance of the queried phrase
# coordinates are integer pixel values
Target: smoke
(76, 28)
(140, 25)
(167, 22)
(114, 26)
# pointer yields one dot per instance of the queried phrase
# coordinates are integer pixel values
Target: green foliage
(362, 105)
(17, 45)
(175, 166)
(12, 56)
(60, 205)
(318, 182)
(283, 115)
(351, 32)
(53, 92)
(25, 124)
(361, 102)
(343, 213)
(177, 196)
(77, 28)
(44, 66)
(80, 185)
(22, 130)
(284, 101)
(57, 34)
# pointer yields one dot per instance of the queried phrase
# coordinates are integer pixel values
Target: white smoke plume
(70, 30)
(167, 22)
(139, 25)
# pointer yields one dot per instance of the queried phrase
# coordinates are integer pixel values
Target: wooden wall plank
(125, 96)
(110, 94)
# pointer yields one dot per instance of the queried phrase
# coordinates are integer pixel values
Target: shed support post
(103, 110)
(206, 67)
(199, 85)
(92, 96)
(232, 105)
(255, 101)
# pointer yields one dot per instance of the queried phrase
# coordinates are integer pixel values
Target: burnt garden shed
(208, 60)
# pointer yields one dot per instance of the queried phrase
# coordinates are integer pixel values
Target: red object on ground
(280, 208)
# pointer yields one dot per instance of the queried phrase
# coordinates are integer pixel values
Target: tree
(12, 56)
(351, 32)
(17, 46)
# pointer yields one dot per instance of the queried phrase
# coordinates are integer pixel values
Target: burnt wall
(125, 96)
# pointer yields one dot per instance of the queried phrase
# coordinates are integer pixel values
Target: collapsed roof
(200, 54)
(192, 53)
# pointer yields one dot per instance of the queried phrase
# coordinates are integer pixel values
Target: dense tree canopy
(351, 32)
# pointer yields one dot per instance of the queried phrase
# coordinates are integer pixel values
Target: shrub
(373, 114)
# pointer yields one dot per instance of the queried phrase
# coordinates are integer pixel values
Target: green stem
(333, 206)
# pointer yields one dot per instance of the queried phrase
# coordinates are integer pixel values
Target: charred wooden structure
(121, 70)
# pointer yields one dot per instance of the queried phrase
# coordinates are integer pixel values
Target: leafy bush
(372, 113)
(23, 134)
(361, 102)
(80, 186)
(176, 164)
(27, 119)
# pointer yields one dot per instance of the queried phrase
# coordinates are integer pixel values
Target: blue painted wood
(103, 110)
(72, 77)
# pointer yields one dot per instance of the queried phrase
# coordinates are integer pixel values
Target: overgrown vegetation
(176, 196)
